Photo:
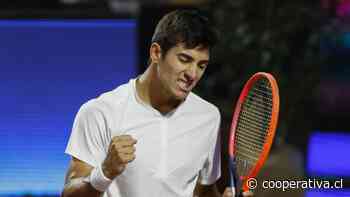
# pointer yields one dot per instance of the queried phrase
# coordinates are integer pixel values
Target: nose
(191, 73)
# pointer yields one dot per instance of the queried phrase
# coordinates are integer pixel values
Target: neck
(151, 92)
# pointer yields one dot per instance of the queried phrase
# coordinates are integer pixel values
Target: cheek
(167, 74)
(199, 75)
(173, 71)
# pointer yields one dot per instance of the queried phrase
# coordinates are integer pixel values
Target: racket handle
(232, 173)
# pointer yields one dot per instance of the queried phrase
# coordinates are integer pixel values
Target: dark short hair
(190, 27)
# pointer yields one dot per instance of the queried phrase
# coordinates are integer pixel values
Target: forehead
(197, 52)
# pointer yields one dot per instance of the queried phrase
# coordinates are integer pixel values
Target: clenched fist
(121, 151)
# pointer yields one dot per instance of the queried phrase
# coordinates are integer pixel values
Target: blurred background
(57, 54)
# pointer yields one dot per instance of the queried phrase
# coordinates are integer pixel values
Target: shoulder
(106, 102)
(203, 106)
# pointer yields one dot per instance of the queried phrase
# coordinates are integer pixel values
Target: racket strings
(263, 91)
(251, 140)
(253, 130)
(254, 119)
(244, 165)
(256, 104)
(254, 111)
(247, 148)
(252, 154)
(252, 125)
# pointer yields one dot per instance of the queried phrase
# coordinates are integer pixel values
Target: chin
(178, 94)
(181, 95)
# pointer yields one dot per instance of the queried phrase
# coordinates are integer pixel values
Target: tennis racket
(252, 130)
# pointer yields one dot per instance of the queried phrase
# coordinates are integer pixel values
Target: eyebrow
(192, 59)
(186, 56)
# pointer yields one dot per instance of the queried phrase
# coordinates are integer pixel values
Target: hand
(247, 194)
(229, 193)
(121, 151)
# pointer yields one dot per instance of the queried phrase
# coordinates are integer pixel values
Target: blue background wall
(48, 68)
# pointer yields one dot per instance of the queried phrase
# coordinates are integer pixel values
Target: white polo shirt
(172, 150)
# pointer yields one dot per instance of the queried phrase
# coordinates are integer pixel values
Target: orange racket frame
(272, 125)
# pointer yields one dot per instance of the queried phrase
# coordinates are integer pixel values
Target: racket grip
(232, 177)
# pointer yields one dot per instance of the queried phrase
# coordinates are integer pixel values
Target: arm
(74, 184)
(121, 151)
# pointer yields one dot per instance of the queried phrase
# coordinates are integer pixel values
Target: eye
(183, 59)
(202, 66)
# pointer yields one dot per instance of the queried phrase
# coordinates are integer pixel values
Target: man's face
(181, 68)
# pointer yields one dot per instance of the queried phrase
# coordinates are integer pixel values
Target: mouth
(185, 86)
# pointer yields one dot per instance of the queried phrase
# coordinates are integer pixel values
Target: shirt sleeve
(211, 171)
(88, 141)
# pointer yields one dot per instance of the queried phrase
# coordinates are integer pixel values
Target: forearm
(77, 187)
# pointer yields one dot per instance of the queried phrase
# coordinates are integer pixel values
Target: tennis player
(152, 137)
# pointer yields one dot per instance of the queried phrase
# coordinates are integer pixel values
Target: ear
(155, 52)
